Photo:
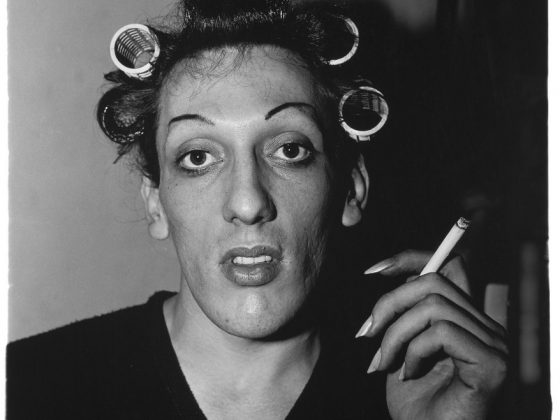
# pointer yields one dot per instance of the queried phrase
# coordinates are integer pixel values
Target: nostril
(249, 203)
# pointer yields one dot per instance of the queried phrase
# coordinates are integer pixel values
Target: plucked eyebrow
(268, 115)
(195, 117)
(298, 105)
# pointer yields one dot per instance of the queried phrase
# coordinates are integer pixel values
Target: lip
(252, 275)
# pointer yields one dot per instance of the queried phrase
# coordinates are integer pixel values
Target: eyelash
(308, 150)
(196, 170)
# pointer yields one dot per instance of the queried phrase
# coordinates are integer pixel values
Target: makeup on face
(245, 186)
(251, 266)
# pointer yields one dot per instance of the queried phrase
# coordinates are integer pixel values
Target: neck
(203, 347)
(238, 377)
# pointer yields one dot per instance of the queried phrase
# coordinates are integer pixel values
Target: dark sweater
(122, 366)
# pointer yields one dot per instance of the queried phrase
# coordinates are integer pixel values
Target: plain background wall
(78, 239)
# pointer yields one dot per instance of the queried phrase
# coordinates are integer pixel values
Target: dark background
(467, 136)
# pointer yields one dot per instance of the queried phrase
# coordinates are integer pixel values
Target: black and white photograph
(278, 209)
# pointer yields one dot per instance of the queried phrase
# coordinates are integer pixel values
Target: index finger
(406, 262)
(394, 303)
(412, 262)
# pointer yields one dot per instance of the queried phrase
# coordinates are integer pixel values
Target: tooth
(252, 260)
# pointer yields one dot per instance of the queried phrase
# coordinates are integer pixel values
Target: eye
(197, 160)
(292, 152)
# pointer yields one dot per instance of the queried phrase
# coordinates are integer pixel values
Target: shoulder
(82, 360)
(85, 336)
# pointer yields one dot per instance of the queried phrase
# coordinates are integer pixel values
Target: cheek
(311, 201)
(310, 215)
(188, 215)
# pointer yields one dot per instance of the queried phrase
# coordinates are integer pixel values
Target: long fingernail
(380, 266)
(365, 327)
(375, 362)
(401, 375)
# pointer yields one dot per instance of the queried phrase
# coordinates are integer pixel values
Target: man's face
(246, 188)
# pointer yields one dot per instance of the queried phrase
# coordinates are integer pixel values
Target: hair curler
(345, 44)
(363, 111)
(121, 126)
(134, 49)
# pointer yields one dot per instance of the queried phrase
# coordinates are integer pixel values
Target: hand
(445, 359)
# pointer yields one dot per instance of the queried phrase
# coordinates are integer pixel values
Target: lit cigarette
(446, 246)
(433, 265)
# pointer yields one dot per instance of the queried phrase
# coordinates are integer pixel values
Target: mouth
(252, 260)
(255, 266)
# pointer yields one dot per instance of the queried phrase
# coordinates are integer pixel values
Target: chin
(258, 319)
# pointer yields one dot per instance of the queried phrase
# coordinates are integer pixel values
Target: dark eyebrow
(282, 107)
(195, 117)
(268, 115)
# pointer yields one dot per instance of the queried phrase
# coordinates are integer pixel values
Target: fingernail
(380, 266)
(375, 362)
(401, 375)
(365, 327)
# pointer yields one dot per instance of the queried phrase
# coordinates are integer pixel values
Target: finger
(478, 366)
(454, 269)
(406, 262)
(404, 297)
(411, 278)
(431, 310)
(412, 262)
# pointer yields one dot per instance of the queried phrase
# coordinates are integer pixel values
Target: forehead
(230, 82)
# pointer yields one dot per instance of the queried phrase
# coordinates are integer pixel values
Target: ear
(157, 219)
(357, 197)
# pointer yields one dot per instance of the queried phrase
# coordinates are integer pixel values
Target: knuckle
(501, 367)
(497, 371)
(434, 300)
(491, 373)
(434, 281)
(392, 337)
(443, 328)
(414, 350)
(382, 303)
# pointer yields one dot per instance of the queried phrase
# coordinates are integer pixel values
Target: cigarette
(446, 246)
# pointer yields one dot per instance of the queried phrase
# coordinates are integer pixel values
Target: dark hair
(312, 32)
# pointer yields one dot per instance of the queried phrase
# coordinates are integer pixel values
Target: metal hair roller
(345, 46)
(120, 126)
(363, 111)
(134, 50)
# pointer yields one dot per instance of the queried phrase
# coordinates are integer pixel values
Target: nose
(248, 200)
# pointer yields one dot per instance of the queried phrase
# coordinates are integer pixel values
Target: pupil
(291, 150)
(198, 157)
